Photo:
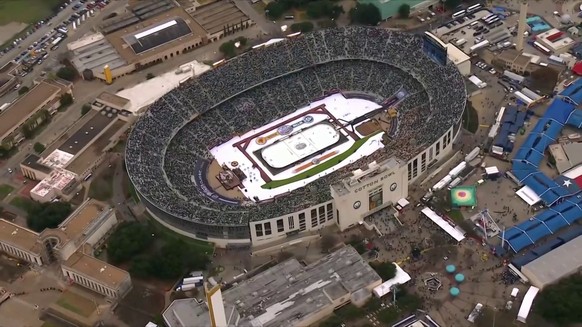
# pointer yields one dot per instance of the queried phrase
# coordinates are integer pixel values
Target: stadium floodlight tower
(521, 24)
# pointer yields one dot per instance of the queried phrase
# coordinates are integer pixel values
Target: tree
(275, 9)
(560, 303)
(66, 100)
(23, 90)
(38, 147)
(328, 241)
(47, 215)
(127, 241)
(544, 79)
(365, 14)
(452, 4)
(66, 73)
(150, 76)
(85, 109)
(386, 270)
(228, 49)
(302, 27)
(175, 258)
(323, 8)
(404, 10)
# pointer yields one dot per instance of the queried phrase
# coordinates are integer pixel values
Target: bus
(474, 7)
(541, 48)
(56, 41)
(488, 17)
(459, 14)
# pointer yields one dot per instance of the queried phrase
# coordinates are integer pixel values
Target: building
(557, 41)
(149, 33)
(459, 58)
(217, 18)
(66, 162)
(515, 61)
(71, 245)
(288, 294)
(555, 265)
(30, 110)
(8, 79)
(389, 8)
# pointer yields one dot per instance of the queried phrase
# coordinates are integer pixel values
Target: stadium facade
(168, 144)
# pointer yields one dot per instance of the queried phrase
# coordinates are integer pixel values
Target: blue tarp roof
(548, 246)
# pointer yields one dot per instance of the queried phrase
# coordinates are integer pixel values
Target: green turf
(101, 187)
(22, 203)
(5, 190)
(26, 11)
(73, 308)
(321, 167)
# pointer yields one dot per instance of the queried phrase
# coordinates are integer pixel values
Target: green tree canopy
(85, 109)
(66, 100)
(544, 79)
(66, 73)
(150, 76)
(275, 9)
(323, 8)
(561, 303)
(228, 49)
(404, 10)
(365, 14)
(47, 215)
(328, 241)
(38, 147)
(452, 4)
(23, 90)
(302, 27)
(127, 241)
(386, 270)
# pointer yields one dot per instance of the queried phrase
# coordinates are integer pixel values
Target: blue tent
(459, 278)
(451, 269)
(454, 291)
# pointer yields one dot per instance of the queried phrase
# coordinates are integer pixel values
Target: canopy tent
(464, 196)
(459, 278)
(528, 195)
(527, 303)
(401, 277)
(455, 233)
(403, 202)
(492, 171)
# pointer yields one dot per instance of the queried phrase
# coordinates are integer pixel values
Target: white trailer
(523, 98)
(185, 288)
(479, 45)
(514, 76)
(477, 81)
(460, 42)
(530, 94)
(192, 280)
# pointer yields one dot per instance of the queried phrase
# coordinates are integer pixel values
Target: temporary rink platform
(305, 134)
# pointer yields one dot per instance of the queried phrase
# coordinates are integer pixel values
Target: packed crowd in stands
(268, 83)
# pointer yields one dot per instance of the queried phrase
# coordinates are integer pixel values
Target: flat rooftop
(187, 310)
(86, 133)
(78, 223)
(85, 159)
(32, 161)
(96, 269)
(19, 236)
(118, 38)
(215, 16)
(283, 294)
(94, 52)
(112, 100)
(556, 264)
(25, 106)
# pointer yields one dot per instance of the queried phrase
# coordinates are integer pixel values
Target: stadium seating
(264, 84)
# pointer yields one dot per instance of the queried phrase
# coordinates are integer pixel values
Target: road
(266, 26)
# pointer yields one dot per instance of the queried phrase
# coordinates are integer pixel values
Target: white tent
(403, 202)
(493, 170)
(528, 195)
(455, 233)
(527, 303)
(401, 277)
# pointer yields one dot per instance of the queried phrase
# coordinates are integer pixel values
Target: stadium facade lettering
(370, 184)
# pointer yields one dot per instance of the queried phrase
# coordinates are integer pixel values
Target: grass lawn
(129, 189)
(22, 203)
(205, 247)
(101, 187)
(26, 11)
(5, 190)
(456, 216)
(76, 304)
(321, 167)
(470, 118)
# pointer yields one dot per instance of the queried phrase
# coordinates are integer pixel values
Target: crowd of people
(267, 83)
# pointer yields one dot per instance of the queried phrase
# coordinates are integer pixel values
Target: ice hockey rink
(300, 145)
(282, 150)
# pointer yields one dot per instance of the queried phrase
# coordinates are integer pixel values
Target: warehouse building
(288, 294)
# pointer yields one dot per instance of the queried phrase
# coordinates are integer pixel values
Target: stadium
(317, 129)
